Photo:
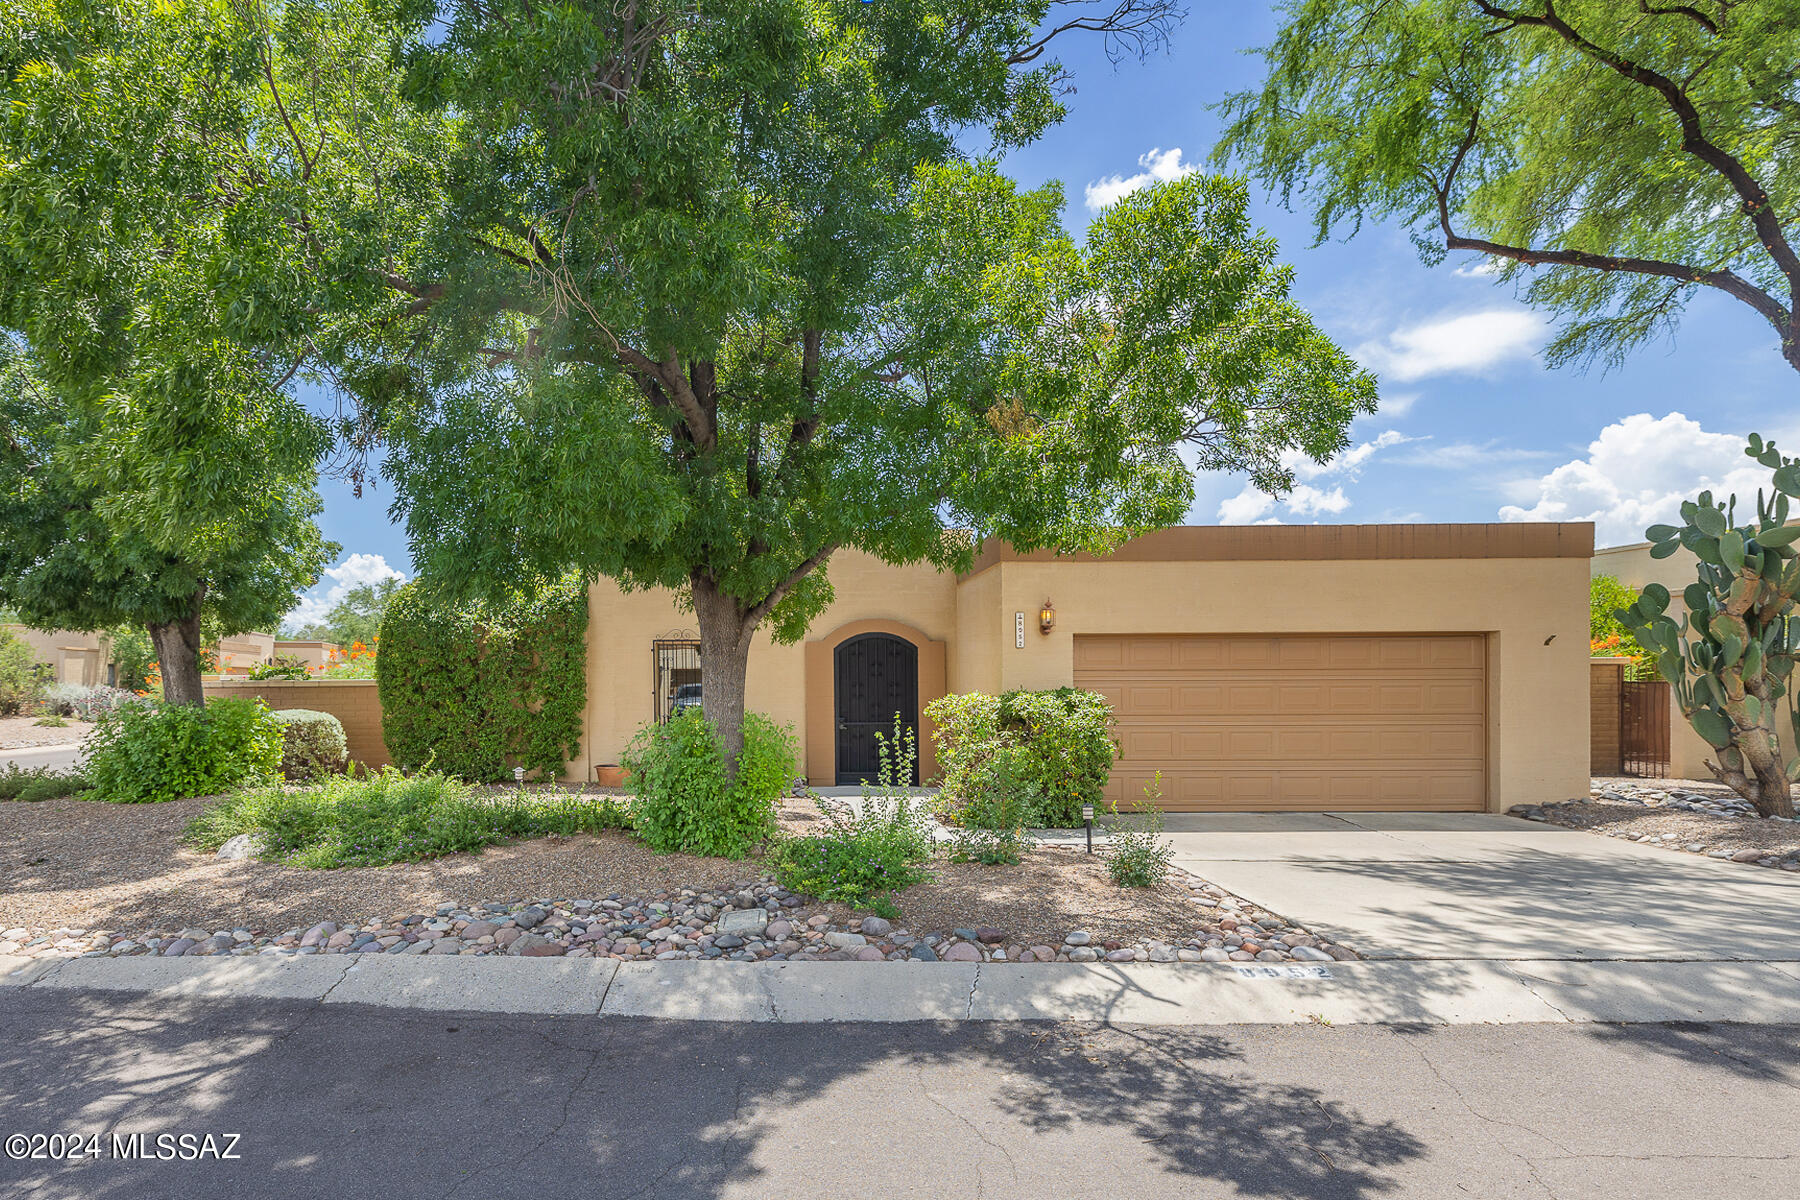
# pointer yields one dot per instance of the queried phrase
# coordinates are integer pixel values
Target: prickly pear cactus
(1730, 658)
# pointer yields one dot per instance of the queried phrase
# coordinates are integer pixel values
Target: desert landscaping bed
(80, 877)
(24, 733)
(1678, 814)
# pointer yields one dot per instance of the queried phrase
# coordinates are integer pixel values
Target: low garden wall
(355, 702)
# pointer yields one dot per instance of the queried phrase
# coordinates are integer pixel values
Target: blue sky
(1472, 426)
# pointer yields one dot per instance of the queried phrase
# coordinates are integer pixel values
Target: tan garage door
(1295, 722)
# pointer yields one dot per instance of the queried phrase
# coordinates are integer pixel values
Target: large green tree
(717, 292)
(95, 537)
(1615, 159)
(194, 196)
(355, 618)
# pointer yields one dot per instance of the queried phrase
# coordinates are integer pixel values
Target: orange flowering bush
(355, 662)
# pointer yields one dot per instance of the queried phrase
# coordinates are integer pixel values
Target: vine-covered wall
(478, 689)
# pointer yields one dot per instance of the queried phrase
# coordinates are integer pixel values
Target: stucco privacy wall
(1633, 566)
(1523, 587)
(356, 703)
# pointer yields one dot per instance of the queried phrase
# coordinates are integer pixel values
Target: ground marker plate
(1285, 971)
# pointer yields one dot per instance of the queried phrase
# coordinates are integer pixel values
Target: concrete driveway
(31, 757)
(1480, 886)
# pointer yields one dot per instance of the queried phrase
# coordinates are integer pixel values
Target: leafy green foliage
(1614, 158)
(997, 805)
(739, 300)
(863, 860)
(477, 688)
(687, 802)
(133, 655)
(32, 784)
(1057, 742)
(1137, 855)
(1607, 635)
(21, 678)
(389, 817)
(284, 666)
(149, 751)
(312, 743)
(1730, 658)
(355, 618)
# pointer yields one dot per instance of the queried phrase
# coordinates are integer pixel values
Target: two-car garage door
(1295, 721)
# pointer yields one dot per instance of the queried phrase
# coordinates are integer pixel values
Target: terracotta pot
(609, 775)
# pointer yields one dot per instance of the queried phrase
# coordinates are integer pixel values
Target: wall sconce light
(1046, 617)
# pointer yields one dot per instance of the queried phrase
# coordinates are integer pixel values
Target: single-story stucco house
(1429, 667)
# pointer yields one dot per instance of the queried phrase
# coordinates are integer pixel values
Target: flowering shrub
(388, 817)
(87, 703)
(357, 661)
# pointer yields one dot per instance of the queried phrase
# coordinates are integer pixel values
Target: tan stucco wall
(356, 703)
(75, 657)
(1538, 693)
(622, 625)
(1523, 588)
(313, 654)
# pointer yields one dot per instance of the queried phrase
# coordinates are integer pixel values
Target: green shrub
(152, 751)
(683, 802)
(22, 678)
(388, 817)
(477, 689)
(312, 743)
(285, 666)
(1000, 803)
(40, 783)
(1139, 857)
(53, 720)
(87, 703)
(1059, 741)
(863, 861)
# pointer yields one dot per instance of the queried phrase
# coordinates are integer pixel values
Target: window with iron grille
(677, 675)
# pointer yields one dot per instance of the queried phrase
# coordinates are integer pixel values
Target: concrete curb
(1441, 993)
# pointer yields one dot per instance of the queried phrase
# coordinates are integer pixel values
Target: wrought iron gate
(677, 676)
(1644, 727)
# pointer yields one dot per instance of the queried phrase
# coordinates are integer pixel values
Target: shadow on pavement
(351, 1101)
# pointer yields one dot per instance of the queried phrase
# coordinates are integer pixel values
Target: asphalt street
(56, 757)
(343, 1100)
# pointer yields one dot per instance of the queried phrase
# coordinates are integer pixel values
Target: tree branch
(754, 617)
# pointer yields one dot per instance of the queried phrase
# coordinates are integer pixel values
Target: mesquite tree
(192, 197)
(1616, 158)
(1730, 658)
(716, 292)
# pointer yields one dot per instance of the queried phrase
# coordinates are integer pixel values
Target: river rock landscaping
(1677, 814)
(79, 878)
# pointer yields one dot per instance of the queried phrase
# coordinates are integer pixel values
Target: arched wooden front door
(877, 677)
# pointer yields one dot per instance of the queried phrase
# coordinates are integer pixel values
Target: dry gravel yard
(79, 876)
(21, 733)
(1678, 814)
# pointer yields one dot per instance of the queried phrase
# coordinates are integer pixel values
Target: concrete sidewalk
(1447, 993)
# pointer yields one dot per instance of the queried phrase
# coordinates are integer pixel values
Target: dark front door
(877, 679)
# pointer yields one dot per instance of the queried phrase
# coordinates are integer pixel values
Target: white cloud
(1252, 506)
(1486, 265)
(1160, 166)
(1398, 404)
(1245, 507)
(1469, 344)
(1637, 473)
(1465, 456)
(354, 570)
(1307, 500)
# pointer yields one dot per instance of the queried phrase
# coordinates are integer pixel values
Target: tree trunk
(725, 634)
(177, 645)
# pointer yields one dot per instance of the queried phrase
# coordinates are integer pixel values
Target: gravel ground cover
(22, 733)
(1678, 814)
(88, 878)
